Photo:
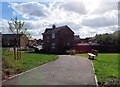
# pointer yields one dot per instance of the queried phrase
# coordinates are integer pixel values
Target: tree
(107, 38)
(16, 27)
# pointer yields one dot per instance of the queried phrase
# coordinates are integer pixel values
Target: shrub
(72, 52)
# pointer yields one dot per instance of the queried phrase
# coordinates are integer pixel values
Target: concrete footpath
(67, 70)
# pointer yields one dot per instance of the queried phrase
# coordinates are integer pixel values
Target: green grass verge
(82, 54)
(106, 68)
(28, 61)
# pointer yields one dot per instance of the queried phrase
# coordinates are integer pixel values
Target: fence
(105, 48)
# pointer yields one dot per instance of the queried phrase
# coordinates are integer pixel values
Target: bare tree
(16, 27)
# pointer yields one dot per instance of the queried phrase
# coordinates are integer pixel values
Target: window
(53, 45)
(53, 35)
(68, 44)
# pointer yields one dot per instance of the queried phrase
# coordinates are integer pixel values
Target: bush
(8, 72)
(7, 69)
(71, 52)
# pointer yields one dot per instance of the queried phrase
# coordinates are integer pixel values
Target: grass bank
(106, 68)
(28, 61)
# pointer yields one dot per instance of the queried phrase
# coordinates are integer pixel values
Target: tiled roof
(54, 30)
(10, 35)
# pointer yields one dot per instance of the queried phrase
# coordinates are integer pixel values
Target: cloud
(75, 27)
(30, 9)
(87, 31)
(29, 24)
(4, 26)
(35, 27)
(105, 30)
(77, 7)
(35, 33)
(101, 21)
(105, 6)
(74, 14)
(70, 6)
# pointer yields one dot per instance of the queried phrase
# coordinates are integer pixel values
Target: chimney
(53, 26)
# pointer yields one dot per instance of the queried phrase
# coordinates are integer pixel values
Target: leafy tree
(107, 38)
(116, 36)
(16, 27)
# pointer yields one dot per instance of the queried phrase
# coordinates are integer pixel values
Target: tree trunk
(14, 52)
(20, 53)
(17, 53)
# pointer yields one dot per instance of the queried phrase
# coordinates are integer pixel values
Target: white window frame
(53, 46)
(53, 35)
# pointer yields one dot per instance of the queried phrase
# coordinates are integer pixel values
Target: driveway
(67, 70)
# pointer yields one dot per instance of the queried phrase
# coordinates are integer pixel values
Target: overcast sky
(85, 17)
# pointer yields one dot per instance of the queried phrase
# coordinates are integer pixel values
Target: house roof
(55, 30)
(47, 30)
(11, 35)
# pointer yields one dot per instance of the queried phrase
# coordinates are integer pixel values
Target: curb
(29, 70)
(94, 74)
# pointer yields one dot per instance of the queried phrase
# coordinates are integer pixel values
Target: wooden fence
(105, 48)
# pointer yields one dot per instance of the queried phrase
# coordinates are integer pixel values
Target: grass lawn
(106, 68)
(28, 61)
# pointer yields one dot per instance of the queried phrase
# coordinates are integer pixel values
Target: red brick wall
(65, 36)
(83, 48)
(61, 39)
(108, 48)
(23, 42)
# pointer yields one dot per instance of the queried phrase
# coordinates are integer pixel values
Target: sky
(85, 17)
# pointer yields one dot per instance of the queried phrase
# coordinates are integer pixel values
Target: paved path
(67, 70)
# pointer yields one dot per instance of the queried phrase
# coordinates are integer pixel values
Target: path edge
(29, 70)
(96, 81)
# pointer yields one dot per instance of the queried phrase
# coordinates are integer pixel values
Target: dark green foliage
(72, 52)
(107, 38)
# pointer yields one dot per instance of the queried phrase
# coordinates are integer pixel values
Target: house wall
(39, 42)
(47, 42)
(76, 39)
(62, 38)
(10, 40)
(55, 41)
(65, 40)
(34, 42)
(23, 42)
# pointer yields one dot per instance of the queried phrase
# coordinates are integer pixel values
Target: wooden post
(17, 43)
(20, 53)
(20, 46)
(17, 53)
(14, 52)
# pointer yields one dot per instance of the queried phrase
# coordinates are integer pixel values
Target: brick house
(10, 40)
(35, 42)
(58, 39)
(76, 39)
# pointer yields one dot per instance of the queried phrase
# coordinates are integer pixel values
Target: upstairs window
(53, 45)
(53, 35)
